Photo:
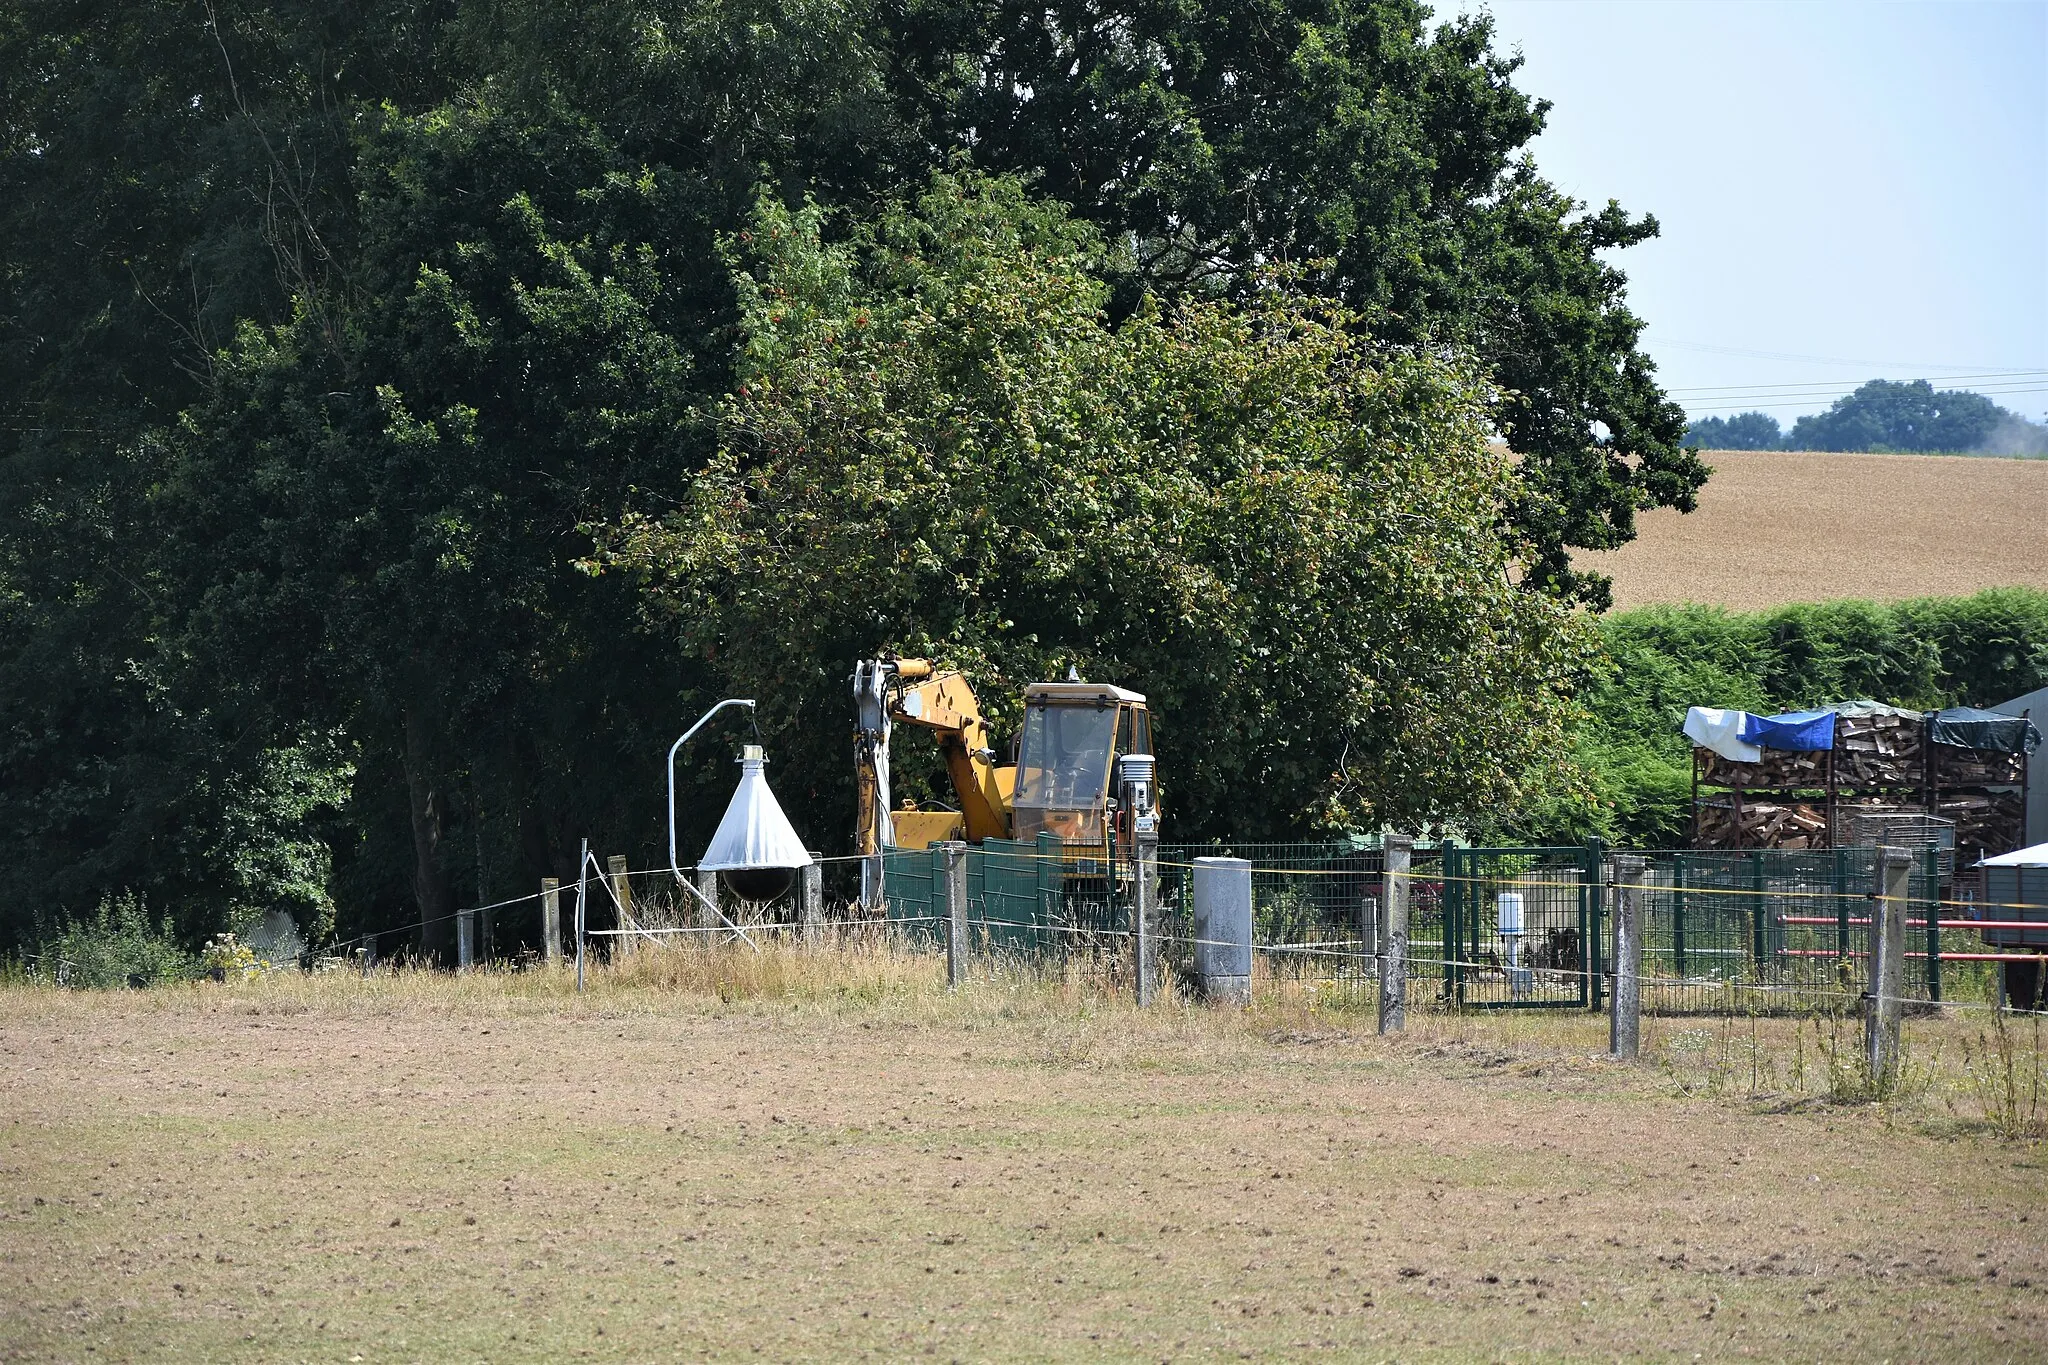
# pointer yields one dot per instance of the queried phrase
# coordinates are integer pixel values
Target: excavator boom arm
(914, 692)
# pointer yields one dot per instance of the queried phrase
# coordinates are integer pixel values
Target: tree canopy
(1743, 431)
(1884, 415)
(938, 438)
(337, 338)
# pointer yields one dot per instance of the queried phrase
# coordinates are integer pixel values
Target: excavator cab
(1062, 783)
(1074, 733)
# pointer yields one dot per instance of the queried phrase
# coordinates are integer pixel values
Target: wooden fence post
(1882, 1006)
(1625, 1011)
(551, 920)
(622, 900)
(1400, 851)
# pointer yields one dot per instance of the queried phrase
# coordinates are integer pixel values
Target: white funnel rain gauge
(754, 846)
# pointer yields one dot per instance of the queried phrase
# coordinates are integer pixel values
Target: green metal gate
(1013, 892)
(1539, 950)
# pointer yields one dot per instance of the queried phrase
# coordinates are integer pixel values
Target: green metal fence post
(1758, 948)
(1475, 910)
(1842, 904)
(1592, 924)
(1453, 903)
(1047, 865)
(1931, 880)
(1678, 914)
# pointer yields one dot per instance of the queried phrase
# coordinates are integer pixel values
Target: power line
(1710, 349)
(1737, 390)
(1777, 401)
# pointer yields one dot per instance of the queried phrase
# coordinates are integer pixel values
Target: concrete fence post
(551, 920)
(952, 870)
(1882, 1006)
(1223, 929)
(1400, 852)
(811, 912)
(1144, 881)
(1625, 1011)
(708, 908)
(465, 940)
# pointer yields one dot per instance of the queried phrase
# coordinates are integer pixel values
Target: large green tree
(1349, 137)
(327, 329)
(1291, 539)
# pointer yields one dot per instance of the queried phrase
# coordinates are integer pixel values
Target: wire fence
(1758, 931)
(1761, 931)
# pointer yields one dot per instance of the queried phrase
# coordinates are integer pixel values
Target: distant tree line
(1884, 416)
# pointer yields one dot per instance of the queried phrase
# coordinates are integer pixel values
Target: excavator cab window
(1063, 766)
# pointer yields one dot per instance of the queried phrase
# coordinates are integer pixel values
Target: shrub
(118, 945)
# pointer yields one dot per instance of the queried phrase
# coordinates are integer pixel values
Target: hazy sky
(1846, 191)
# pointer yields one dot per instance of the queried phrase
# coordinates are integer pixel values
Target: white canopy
(754, 833)
(2037, 856)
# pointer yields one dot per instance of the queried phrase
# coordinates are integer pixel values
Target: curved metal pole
(673, 750)
(674, 864)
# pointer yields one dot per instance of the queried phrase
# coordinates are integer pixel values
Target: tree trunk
(427, 802)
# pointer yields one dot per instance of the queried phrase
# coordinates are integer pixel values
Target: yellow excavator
(1061, 782)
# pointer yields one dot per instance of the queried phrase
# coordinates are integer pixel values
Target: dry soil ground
(1775, 527)
(341, 1170)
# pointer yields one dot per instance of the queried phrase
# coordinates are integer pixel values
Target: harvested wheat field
(777, 1160)
(1776, 527)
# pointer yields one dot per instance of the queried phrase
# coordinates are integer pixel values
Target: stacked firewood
(1762, 824)
(1880, 751)
(1781, 770)
(1955, 766)
(1879, 761)
(1987, 823)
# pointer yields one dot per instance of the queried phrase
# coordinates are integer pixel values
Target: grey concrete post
(1882, 1006)
(465, 940)
(1144, 880)
(551, 920)
(1625, 1010)
(811, 913)
(1400, 850)
(1223, 929)
(708, 908)
(952, 872)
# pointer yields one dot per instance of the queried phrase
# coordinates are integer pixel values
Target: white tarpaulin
(2037, 856)
(1721, 731)
(754, 833)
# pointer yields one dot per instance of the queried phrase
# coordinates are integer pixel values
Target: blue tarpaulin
(1800, 731)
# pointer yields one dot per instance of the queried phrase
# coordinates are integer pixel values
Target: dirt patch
(437, 1171)
(1780, 526)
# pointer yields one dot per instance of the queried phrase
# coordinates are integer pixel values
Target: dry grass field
(1776, 527)
(765, 1158)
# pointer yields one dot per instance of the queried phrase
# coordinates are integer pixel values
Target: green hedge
(1929, 652)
